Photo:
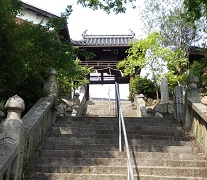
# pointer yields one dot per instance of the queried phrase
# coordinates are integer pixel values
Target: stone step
(154, 177)
(108, 109)
(142, 171)
(66, 176)
(120, 162)
(115, 154)
(115, 142)
(104, 107)
(114, 123)
(137, 127)
(115, 136)
(70, 130)
(107, 103)
(150, 173)
(72, 176)
(111, 120)
(193, 172)
(139, 148)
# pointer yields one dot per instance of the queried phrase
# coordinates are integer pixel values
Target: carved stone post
(14, 132)
(76, 104)
(140, 103)
(51, 86)
(76, 99)
(191, 92)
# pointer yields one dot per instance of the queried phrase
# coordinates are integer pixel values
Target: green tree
(10, 63)
(168, 17)
(118, 6)
(150, 53)
(196, 9)
(28, 51)
(199, 69)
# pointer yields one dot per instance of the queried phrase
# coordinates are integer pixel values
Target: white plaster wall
(32, 16)
(106, 90)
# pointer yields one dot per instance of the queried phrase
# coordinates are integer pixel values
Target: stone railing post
(51, 86)
(76, 99)
(194, 93)
(140, 104)
(51, 89)
(76, 104)
(14, 132)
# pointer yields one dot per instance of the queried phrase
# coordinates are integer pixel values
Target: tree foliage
(169, 18)
(199, 69)
(196, 9)
(150, 53)
(118, 6)
(28, 51)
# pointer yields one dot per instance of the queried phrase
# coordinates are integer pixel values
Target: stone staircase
(106, 108)
(86, 148)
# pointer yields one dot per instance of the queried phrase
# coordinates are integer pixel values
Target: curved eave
(87, 46)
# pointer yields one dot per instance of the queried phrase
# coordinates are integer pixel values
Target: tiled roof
(39, 11)
(63, 32)
(105, 40)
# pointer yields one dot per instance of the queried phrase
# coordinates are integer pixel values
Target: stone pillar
(191, 92)
(51, 86)
(164, 91)
(178, 101)
(14, 132)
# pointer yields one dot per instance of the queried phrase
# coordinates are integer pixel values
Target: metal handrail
(109, 100)
(130, 175)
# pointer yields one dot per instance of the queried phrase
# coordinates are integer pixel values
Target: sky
(96, 22)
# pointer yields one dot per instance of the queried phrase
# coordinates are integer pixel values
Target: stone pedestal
(164, 110)
(191, 92)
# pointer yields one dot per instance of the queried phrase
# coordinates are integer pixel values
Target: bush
(140, 85)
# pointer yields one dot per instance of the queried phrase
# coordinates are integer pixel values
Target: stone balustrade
(21, 137)
(195, 120)
(198, 119)
(79, 102)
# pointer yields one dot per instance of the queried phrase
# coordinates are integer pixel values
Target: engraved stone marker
(164, 91)
(179, 102)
